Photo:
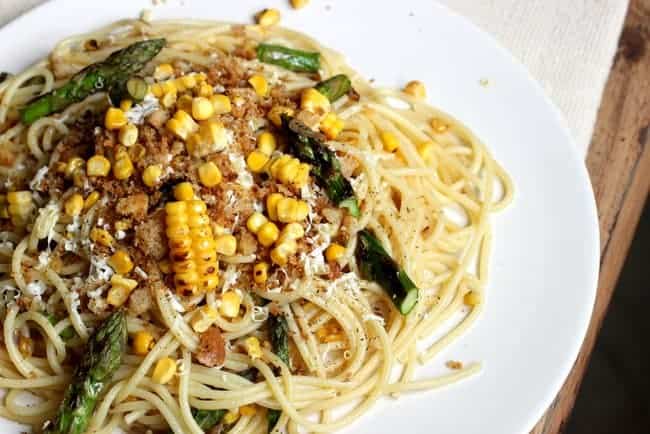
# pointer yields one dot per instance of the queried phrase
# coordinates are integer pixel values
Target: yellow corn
(114, 119)
(163, 71)
(25, 345)
(297, 4)
(302, 210)
(221, 104)
(217, 229)
(472, 298)
(276, 164)
(209, 174)
(203, 319)
(226, 244)
(121, 262)
(302, 177)
(292, 231)
(331, 126)
(253, 347)
(260, 272)
(20, 207)
(169, 86)
(438, 125)
(126, 104)
(268, 234)
(256, 161)
(143, 342)
(281, 252)
(182, 125)
(288, 171)
(128, 135)
(205, 90)
(123, 167)
(98, 165)
(184, 191)
(101, 237)
(268, 17)
(247, 410)
(334, 252)
(272, 205)
(276, 112)
(314, 101)
(74, 164)
(266, 143)
(156, 89)
(259, 83)
(287, 210)
(255, 222)
(389, 141)
(426, 151)
(231, 417)
(416, 89)
(169, 99)
(164, 370)
(230, 303)
(121, 288)
(211, 137)
(188, 81)
(74, 205)
(151, 175)
(184, 102)
(202, 108)
(91, 200)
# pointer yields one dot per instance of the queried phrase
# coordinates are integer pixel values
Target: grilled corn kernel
(205, 90)
(231, 417)
(163, 71)
(203, 319)
(334, 252)
(276, 112)
(209, 174)
(226, 244)
(281, 252)
(126, 104)
(331, 126)
(117, 280)
(182, 125)
(230, 303)
(102, 237)
(164, 370)
(438, 125)
(98, 165)
(272, 205)
(292, 231)
(114, 119)
(260, 272)
(221, 104)
(276, 164)
(128, 135)
(123, 167)
(202, 108)
(247, 410)
(151, 175)
(389, 141)
(255, 222)
(268, 17)
(91, 200)
(302, 176)
(256, 161)
(143, 342)
(266, 143)
(314, 101)
(259, 83)
(297, 4)
(253, 347)
(472, 298)
(268, 234)
(416, 89)
(121, 262)
(184, 191)
(74, 205)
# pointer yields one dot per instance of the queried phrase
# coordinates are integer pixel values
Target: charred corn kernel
(121, 262)
(256, 161)
(221, 104)
(164, 370)
(272, 205)
(231, 417)
(73, 165)
(268, 234)
(297, 4)
(203, 318)
(184, 191)
(212, 137)
(247, 410)
(74, 205)
(416, 89)
(255, 222)
(169, 99)
(334, 252)
(226, 244)
(276, 164)
(253, 347)
(163, 71)
(259, 83)
(143, 342)
(209, 174)
(389, 141)
(302, 176)
(156, 89)
(281, 252)
(276, 112)
(266, 143)
(101, 237)
(151, 175)
(287, 210)
(292, 231)
(331, 126)
(123, 167)
(314, 101)
(472, 298)
(202, 108)
(288, 172)
(121, 288)
(260, 272)
(98, 165)
(187, 81)
(438, 125)
(126, 104)
(230, 303)
(182, 125)
(91, 200)
(114, 119)
(268, 17)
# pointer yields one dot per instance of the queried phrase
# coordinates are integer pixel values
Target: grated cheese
(35, 184)
(35, 288)
(139, 111)
(244, 177)
(99, 271)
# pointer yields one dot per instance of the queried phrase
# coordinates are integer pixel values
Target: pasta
(190, 207)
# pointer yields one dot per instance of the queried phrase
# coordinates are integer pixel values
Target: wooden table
(619, 165)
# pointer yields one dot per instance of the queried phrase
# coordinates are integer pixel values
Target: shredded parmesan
(140, 111)
(244, 177)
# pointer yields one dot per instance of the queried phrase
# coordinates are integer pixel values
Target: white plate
(546, 251)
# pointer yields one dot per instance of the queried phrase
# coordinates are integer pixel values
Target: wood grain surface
(619, 165)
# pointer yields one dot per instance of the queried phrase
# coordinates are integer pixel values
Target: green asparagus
(288, 58)
(309, 147)
(207, 419)
(335, 87)
(280, 345)
(110, 75)
(67, 333)
(101, 359)
(377, 265)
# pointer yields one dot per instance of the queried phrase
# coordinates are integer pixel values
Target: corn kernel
(165, 266)
(230, 303)
(292, 231)
(123, 167)
(260, 272)
(102, 237)
(143, 342)
(259, 83)
(217, 229)
(170, 86)
(302, 210)
(287, 210)
(73, 165)
(114, 119)
(314, 101)
(334, 252)
(256, 161)
(212, 137)
(268, 17)
(287, 172)
(389, 141)
(98, 165)
(331, 126)
(276, 112)
(156, 89)
(276, 164)
(221, 104)
(187, 81)
(255, 222)
(151, 175)
(74, 205)
(182, 124)
(231, 417)
(416, 89)
(184, 191)
(126, 104)
(438, 125)
(268, 234)
(226, 244)
(121, 262)
(272, 205)
(472, 298)
(128, 135)
(253, 347)
(302, 176)
(205, 91)
(184, 102)
(169, 99)
(281, 252)
(203, 319)
(426, 151)
(202, 108)
(247, 410)
(163, 71)
(121, 281)
(91, 200)
(266, 143)
(209, 174)
(120, 290)
(164, 370)
(297, 4)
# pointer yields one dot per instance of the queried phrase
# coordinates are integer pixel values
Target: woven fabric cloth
(568, 46)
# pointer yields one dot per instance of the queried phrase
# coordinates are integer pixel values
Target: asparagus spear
(110, 75)
(206, 419)
(376, 264)
(288, 58)
(101, 359)
(335, 87)
(309, 146)
(280, 345)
